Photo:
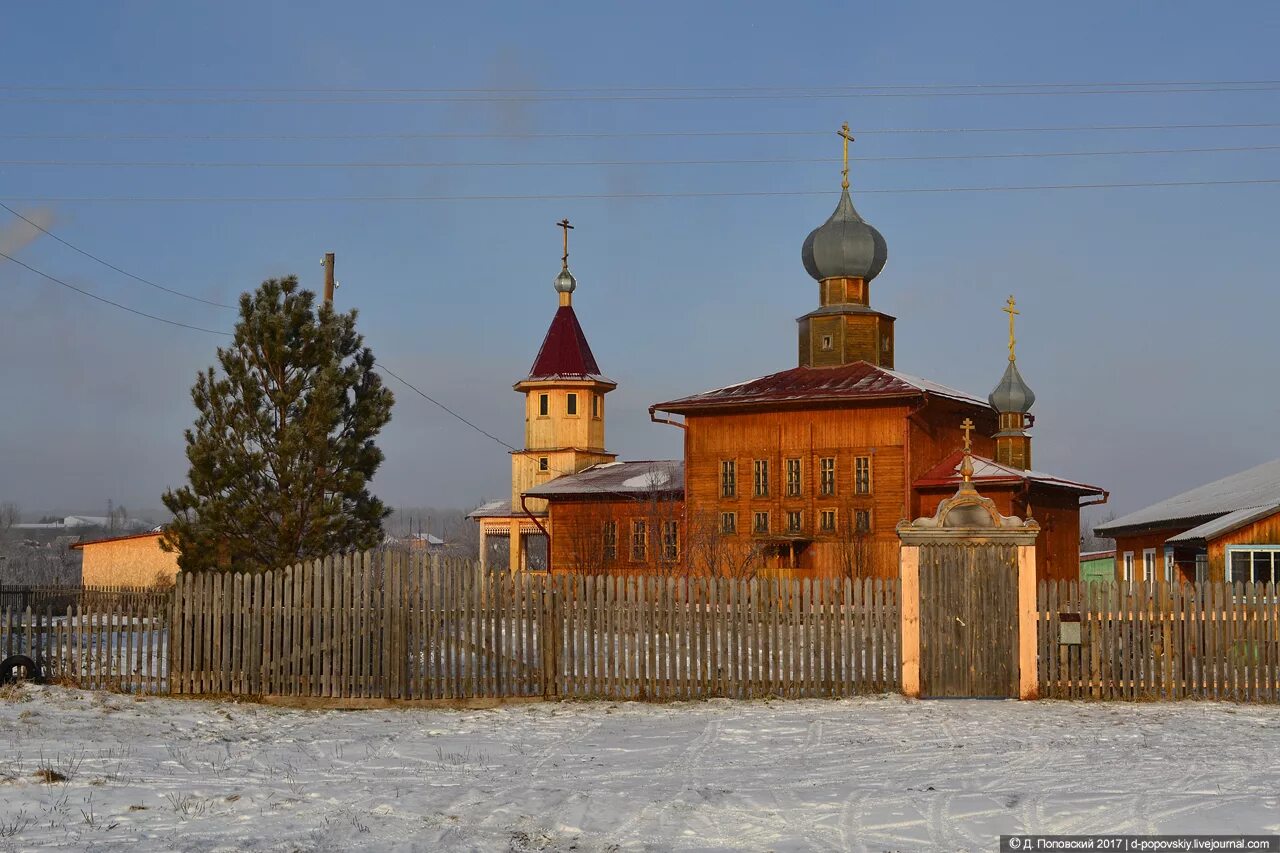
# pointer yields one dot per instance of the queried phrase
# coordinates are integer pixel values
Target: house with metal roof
(1224, 531)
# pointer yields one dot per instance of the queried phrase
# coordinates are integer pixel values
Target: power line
(574, 89)
(543, 98)
(445, 408)
(112, 266)
(87, 293)
(636, 195)
(419, 164)
(352, 137)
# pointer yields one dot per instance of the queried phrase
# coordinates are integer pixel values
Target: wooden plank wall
(1161, 641)
(111, 644)
(387, 625)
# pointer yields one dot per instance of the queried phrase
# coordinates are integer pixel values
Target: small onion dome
(844, 246)
(1012, 394)
(565, 282)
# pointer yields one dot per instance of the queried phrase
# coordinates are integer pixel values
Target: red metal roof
(860, 380)
(987, 471)
(564, 351)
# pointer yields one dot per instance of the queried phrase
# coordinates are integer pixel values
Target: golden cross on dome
(1012, 312)
(966, 465)
(564, 259)
(844, 134)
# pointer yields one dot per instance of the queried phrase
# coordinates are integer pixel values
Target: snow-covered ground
(879, 773)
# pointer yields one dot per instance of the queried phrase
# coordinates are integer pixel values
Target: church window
(762, 522)
(544, 464)
(828, 343)
(862, 521)
(595, 405)
(762, 478)
(728, 478)
(862, 475)
(544, 405)
(572, 406)
(728, 522)
(611, 540)
(639, 540)
(827, 521)
(794, 521)
(670, 541)
(793, 478)
(828, 468)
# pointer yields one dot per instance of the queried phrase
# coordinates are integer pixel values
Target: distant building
(73, 522)
(135, 560)
(1227, 530)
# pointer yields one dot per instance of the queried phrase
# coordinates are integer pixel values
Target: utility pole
(328, 279)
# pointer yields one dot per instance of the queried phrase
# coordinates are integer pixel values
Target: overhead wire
(111, 302)
(112, 266)
(632, 195)
(536, 97)
(338, 137)
(446, 164)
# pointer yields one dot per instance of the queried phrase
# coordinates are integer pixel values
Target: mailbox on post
(1069, 629)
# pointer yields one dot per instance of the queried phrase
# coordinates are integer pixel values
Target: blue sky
(1148, 325)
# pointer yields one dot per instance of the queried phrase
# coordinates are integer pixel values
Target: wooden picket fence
(1147, 641)
(58, 597)
(393, 626)
(108, 644)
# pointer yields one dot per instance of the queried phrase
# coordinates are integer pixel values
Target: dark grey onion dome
(565, 282)
(844, 246)
(1012, 394)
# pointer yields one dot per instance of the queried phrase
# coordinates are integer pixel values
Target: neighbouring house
(135, 560)
(1097, 566)
(618, 516)
(807, 470)
(1224, 531)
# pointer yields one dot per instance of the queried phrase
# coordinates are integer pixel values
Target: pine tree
(282, 449)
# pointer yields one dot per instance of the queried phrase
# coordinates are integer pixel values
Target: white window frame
(1128, 567)
(1169, 567)
(1236, 549)
(1148, 565)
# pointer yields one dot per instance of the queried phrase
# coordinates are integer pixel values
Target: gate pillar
(968, 519)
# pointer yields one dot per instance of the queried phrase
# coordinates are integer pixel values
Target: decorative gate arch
(968, 599)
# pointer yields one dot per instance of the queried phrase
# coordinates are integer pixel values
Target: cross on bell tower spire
(566, 284)
(844, 134)
(1012, 311)
(564, 259)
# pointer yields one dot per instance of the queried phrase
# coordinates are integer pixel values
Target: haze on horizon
(1147, 312)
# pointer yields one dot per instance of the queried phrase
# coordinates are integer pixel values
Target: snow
(876, 773)
(648, 480)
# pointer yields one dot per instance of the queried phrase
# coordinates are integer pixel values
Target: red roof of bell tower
(565, 351)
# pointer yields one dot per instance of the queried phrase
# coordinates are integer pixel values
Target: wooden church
(806, 471)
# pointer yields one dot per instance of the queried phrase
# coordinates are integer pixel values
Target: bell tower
(564, 409)
(843, 255)
(1012, 400)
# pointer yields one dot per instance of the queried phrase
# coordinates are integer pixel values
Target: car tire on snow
(18, 663)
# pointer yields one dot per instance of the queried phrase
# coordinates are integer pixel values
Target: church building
(806, 471)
